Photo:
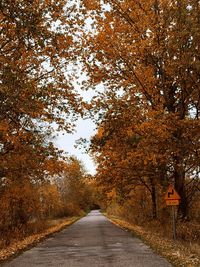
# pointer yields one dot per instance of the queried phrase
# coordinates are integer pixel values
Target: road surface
(90, 242)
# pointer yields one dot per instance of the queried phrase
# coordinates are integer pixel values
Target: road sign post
(172, 199)
(174, 222)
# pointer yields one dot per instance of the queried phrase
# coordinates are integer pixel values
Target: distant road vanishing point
(90, 242)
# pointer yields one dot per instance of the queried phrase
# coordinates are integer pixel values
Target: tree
(34, 90)
(153, 57)
(75, 192)
(36, 96)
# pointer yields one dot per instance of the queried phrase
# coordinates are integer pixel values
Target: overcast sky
(85, 128)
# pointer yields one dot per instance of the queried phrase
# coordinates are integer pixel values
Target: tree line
(146, 54)
(37, 181)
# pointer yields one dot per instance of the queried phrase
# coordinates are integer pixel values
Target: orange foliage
(146, 54)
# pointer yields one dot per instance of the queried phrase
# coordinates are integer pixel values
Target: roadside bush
(18, 204)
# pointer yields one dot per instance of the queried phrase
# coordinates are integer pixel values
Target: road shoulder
(174, 251)
(18, 247)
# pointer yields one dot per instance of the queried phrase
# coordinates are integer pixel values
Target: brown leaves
(146, 56)
(18, 246)
(91, 5)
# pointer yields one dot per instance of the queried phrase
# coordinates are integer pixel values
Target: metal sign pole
(174, 222)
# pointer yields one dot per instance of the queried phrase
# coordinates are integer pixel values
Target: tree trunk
(179, 179)
(153, 198)
(179, 174)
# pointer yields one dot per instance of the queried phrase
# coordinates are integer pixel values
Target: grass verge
(179, 254)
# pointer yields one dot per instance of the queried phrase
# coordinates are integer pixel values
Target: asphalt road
(90, 242)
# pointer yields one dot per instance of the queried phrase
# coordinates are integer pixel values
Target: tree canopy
(146, 55)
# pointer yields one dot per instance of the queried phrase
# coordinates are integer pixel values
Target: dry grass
(18, 246)
(180, 254)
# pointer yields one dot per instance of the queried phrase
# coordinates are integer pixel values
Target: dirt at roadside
(178, 253)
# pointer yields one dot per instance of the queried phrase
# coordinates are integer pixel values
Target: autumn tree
(36, 96)
(35, 40)
(73, 186)
(149, 51)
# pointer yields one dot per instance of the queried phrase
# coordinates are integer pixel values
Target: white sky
(85, 128)
(66, 142)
